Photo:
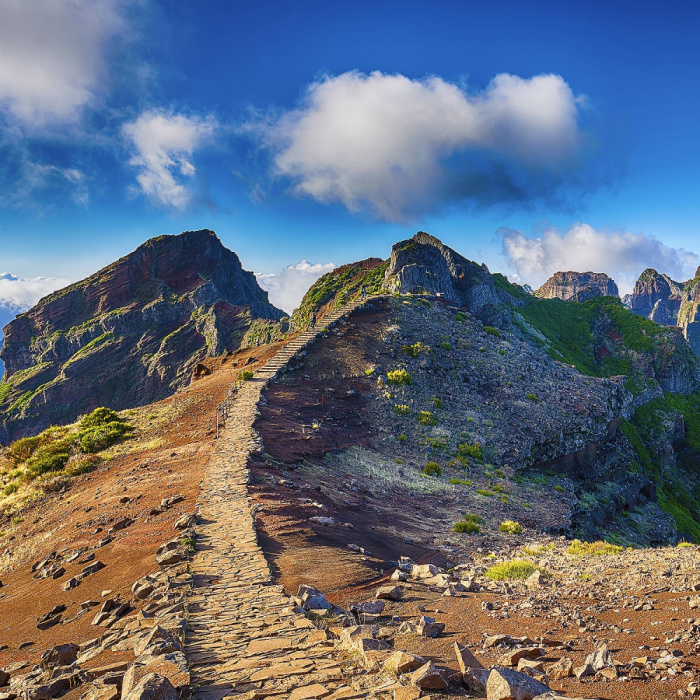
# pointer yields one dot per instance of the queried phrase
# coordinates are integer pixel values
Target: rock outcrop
(423, 265)
(669, 303)
(657, 297)
(577, 286)
(128, 335)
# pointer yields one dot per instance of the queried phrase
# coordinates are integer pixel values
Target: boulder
(428, 677)
(152, 687)
(143, 588)
(511, 658)
(401, 662)
(600, 658)
(564, 668)
(4, 677)
(427, 627)
(370, 607)
(466, 659)
(390, 593)
(507, 684)
(424, 571)
(312, 599)
(61, 655)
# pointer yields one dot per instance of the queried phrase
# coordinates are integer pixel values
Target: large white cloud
(287, 288)
(53, 55)
(399, 146)
(21, 293)
(622, 255)
(164, 144)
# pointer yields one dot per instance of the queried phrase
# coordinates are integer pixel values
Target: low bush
(592, 549)
(492, 331)
(468, 450)
(516, 569)
(511, 527)
(470, 524)
(401, 409)
(427, 418)
(532, 397)
(398, 376)
(432, 469)
(246, 375)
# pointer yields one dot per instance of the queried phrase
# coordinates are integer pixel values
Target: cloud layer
(164, 144)
(287, 288)
(581, 248)
(399, 147)
(52, 56)
(21, 293)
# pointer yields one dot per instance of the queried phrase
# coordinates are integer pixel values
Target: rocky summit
(670, 303)
(577, 286)
(128, 335)
(445, 487)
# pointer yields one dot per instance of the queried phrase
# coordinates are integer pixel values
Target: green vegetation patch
(432, 469)
(62, 451)
(470, 524)
(593, 549)
(399, 376)
(511, 527)
(516, 569)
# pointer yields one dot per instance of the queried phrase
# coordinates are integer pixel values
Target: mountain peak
(151, 316)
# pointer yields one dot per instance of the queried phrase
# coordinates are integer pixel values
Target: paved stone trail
(244, 637)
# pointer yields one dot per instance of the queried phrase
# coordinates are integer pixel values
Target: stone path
(244, 637)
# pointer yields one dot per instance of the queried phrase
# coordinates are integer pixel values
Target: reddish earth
(325, 406)
(167, 456)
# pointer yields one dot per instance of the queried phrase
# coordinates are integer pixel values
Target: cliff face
(669, 303)
(577, 286)
(423, 265)
(129, 334)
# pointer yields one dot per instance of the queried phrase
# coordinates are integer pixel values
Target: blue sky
(529, 135)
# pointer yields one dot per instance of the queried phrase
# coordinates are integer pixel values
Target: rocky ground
(387, 600)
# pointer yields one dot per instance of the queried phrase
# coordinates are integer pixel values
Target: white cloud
(287, 288)
(399, 146)
(164, 144)
(622, 255)
(53, 55)
(18, 294)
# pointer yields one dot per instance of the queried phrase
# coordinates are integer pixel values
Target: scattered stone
(61, 655)
(143, 588)
(186, 522)
(390, 593)
(401, 662)
(152, 687)
(427, 627)
(564, 668)
(428, 677)
(507, 684)
(424, 571)
(466, 659)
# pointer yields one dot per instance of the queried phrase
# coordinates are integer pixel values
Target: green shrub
(416, 349)
(427, 418)
(23, 448)
(445, 346)
(468, 450)
(369, 371)
(532, 397)
(401, 409)
(246, 375)
(398, 376)
(467, 528)
(401, 437)
(460, 316)
(100, 438)
(511, 527)
(492, 331)
(462, 482)
(432, 469)
(437, 402)
(559, 489)
(485, 492)
(10, 489)
(502, 351)
(512, 570)
(100, 417)
(592, 549)
(685, 544)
